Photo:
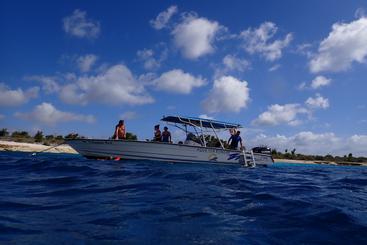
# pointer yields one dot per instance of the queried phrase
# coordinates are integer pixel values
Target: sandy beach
(304, 161)
(33, 147)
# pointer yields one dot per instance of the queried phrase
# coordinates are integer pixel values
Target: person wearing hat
(120, 131)
(166, 135)
(157, 133)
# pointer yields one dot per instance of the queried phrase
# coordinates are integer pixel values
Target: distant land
(22, 141)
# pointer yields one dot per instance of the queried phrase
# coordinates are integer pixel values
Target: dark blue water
(65, 199)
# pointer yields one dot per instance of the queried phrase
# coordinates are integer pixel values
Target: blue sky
(292, 72)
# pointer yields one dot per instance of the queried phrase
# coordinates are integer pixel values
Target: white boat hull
(157, 151)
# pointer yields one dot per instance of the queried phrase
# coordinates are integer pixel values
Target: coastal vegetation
(292, 155)
(39, 137)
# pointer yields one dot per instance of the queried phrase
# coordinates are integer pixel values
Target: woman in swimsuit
(120, 131)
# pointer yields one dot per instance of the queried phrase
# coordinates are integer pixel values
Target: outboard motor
(262, 150)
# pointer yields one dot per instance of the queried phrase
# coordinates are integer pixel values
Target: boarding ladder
(247, 158)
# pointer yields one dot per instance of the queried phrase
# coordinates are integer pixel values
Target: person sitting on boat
(157, 133)
(235, 139)
(166, 135)
(120, 131)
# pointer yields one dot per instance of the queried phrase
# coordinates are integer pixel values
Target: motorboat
(195, 149)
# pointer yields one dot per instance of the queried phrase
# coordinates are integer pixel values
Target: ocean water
(66, 199)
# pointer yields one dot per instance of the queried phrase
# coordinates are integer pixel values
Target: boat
(195, 149)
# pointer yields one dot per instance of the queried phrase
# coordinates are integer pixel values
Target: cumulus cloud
(360, 12)
(205, 116)
(345, 44)
(177, 81)
(231, 62)
(49, 83)
(281, 114)
(317, 102)
(163, 18)
(195, 36)
(47, 114)
(307, 142)
(357, 144)
(228, 94)
(320, 81)
(274, 67)
(304, 49)
(290, 113)
(80, 26)
(9, 97)
(86, 62)
(148, 59)
(115, 86)
(258, 40)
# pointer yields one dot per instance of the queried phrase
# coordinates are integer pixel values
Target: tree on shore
(20, 134)
(38, 137)
(131, 136)
(293, 152)
(4, 132)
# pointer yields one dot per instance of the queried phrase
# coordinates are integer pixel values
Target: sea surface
(66, 199)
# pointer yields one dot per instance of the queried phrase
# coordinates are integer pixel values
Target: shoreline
(65, 148)
(304, 161)
(34, 147)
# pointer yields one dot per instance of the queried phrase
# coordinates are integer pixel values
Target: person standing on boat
(157, 133)
(235, 139)
(166, 135)
(120, 131)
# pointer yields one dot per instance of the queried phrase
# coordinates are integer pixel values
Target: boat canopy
(200, 122)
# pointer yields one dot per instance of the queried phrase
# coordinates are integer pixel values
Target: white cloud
(205, 116)
(195, 36)
(2, 116)
(345, 44)
(316, 83)
(317, 102)
(163, 18)
(258, 41)
(304, 49)
(178, 81)
(86, 62)
(280, 114)
(147, 57)
(47, 114)
(128, 115)
(115, 86)
(314, 143)
(274, 67)
(228, 94)
(79, 26)
(357, 144)
(9, 97)
(231, 62)
(320, 81)
(290, 113)
(359, 13)
(302, 86)
(49, 83)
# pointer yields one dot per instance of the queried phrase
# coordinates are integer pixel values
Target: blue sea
(66, 199)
